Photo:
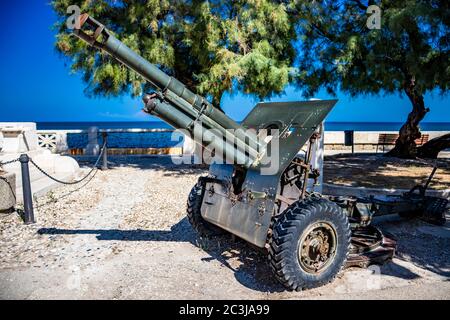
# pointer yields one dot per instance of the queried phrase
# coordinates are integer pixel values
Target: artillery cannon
(261, 193)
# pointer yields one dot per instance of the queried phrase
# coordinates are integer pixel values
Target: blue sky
(35, 85)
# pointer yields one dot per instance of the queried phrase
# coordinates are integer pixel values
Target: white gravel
(125, 235)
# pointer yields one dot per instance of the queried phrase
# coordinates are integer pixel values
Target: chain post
(105, 151)
(26, 190)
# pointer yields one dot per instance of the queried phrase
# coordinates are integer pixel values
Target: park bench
(387, 139)
(422, 140)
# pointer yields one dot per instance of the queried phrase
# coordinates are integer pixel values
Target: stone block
(19, 137)
(7, 190)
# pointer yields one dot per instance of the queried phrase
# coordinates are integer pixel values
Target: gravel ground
(376, 170)
(125, 236)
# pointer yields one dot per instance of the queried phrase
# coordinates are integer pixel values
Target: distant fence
(365, 140)
(165, 141)
(120, 141)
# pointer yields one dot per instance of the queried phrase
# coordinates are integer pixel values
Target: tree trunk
(432, 148)
(405, 147)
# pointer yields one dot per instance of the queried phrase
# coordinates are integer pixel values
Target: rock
(7, 191)
(1, 141)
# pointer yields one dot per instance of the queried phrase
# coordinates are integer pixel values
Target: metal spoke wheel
(317, 247)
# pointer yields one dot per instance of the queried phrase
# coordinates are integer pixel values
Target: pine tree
(210, 46)
(409, 55)
(251, 46)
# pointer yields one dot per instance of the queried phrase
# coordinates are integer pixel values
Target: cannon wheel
(310, 244)
(194, 203)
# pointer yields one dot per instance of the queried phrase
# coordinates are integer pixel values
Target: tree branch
(432, 148)
(322, 32)
(360, 5)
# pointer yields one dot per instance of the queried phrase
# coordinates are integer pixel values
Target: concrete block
(19, 136)
(7, 190)
(435, 134)
(366, 137)
(334, 137)
(66, 165)
(55, 163)
(46, 160)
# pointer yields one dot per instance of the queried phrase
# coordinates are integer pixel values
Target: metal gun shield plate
(250, 217)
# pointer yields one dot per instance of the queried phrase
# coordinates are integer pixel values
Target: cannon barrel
(178, 106)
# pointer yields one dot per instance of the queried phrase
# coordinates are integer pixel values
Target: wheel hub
(317, 247)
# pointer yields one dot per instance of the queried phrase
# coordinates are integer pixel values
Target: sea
(330, 126)
(169, 139)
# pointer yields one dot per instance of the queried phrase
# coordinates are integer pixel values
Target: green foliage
(218, 46)
(340, 52)
(211, 46)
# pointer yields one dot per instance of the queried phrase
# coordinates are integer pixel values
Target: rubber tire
(193, 211)
(283, 249)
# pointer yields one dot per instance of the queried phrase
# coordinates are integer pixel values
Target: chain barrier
(8, 162)
(95, 167)
(28, 211)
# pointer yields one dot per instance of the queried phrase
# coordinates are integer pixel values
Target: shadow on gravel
(427, 251)
(148, 162)
(248, 263)
(395, 270)
(376, 170)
